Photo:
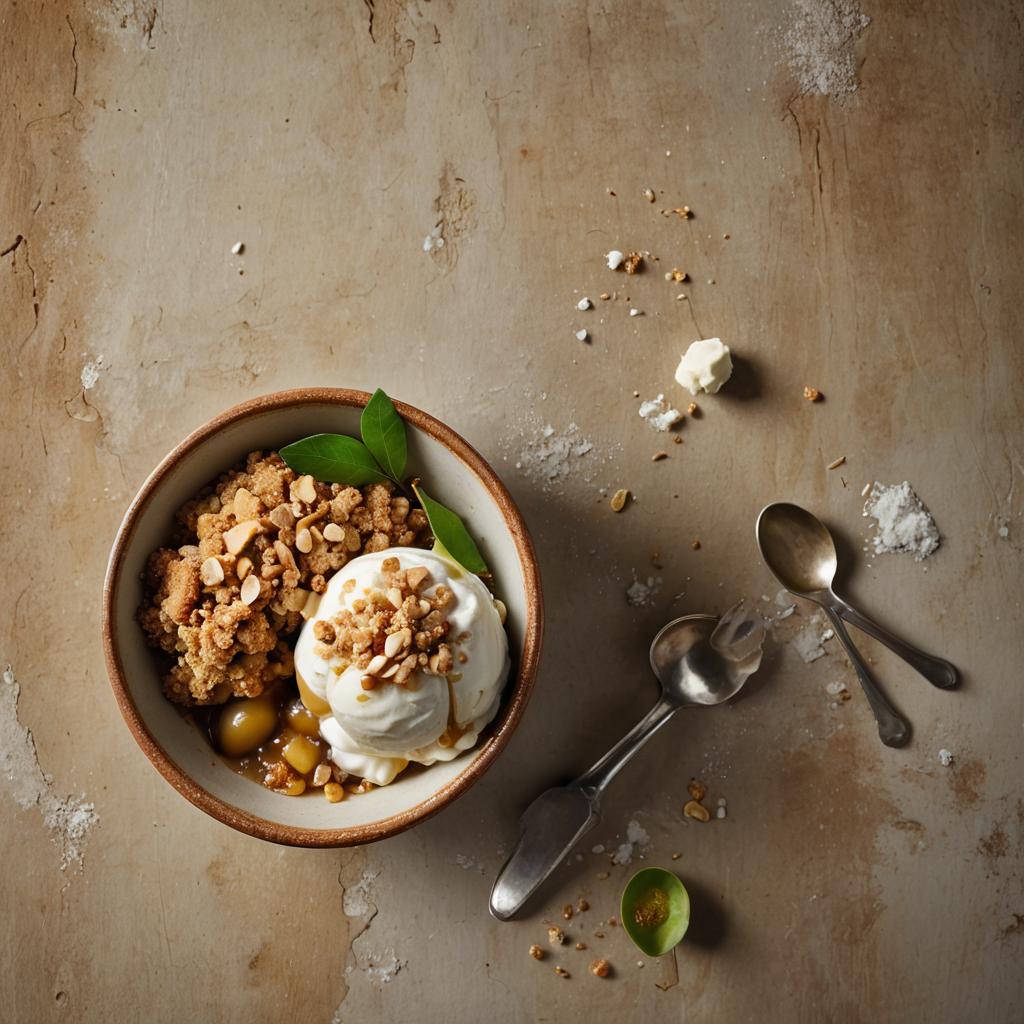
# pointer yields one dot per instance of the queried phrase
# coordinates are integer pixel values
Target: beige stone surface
(866, 243)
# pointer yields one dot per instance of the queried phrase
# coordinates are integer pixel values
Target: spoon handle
(557, 819)
(937, 671)
(596, 779)
(893, 730)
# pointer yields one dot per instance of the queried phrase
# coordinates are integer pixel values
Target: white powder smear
(358, 898)
(433, 242)
(553, 456)
(820, 45)
(808, 642)
(946, 758)
(640, 593)
(91, 373)
(658, 414)
(69, 820)
(637, 842)
(904, 524)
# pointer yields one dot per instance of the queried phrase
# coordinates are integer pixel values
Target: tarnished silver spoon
(700, 661)
(801, 553)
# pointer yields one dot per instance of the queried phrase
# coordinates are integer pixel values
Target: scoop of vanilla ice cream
(706, 366)
(375, 733)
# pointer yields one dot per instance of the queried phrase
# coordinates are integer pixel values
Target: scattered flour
(820, 45)
(640, 593)
(904, 524)
(946, 758)
(808, 643)
(658, 414)
(469, 864)
(835, 688)
(552, 456)
(358, 898)
(385, 967)
(637, 842)
(91, 373)
(69, 820)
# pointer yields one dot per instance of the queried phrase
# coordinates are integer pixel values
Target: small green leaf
(383, 433)
(334, 459)
(655, 910)
(450, 534)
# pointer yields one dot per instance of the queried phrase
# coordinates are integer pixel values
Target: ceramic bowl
(457, 475)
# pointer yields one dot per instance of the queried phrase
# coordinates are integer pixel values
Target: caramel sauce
(652, 909)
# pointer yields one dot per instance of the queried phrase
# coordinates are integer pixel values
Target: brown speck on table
(813, 395)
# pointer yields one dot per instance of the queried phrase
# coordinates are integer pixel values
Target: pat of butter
(706, 366)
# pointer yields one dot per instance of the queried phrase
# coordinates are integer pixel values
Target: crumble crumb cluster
(253, 551)
(389, 634)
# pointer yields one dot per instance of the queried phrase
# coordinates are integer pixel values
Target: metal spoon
(801, 553)
(698, 664)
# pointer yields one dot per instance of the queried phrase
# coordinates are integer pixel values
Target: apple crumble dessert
(402, 654)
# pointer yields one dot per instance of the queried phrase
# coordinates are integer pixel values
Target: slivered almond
(243, 567)
(211, 572)
(238, 537)
(395, 597)
(378, 663)
(284, 555)
(250, 589)
(619, 499)
(389, 672)
(394, 642)
(314, 517)
(304, 489)
(304, 541)
(697, 811)
(333, 533)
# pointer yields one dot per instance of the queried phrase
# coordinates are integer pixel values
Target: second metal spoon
(801, 553)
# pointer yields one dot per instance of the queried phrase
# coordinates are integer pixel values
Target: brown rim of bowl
(508, 717)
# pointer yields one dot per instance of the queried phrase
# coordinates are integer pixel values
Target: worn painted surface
(872, 252)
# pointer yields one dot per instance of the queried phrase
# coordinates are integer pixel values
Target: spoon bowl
(798, 548)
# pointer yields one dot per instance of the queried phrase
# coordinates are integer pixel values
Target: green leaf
(450, 534)
(383, 433)
(334, 459)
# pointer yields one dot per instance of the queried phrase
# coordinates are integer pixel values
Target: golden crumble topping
(253, 552)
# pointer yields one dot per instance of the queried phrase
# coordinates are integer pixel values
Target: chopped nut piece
(556, 937)
(696, 789)
(212, 572)
(304, 489)
(334, 792)
(333, 533)
(243, 567)
(567, 911)
(600, 968)
(633, 262)
(812, 395)
(562, 972)
(693, 408)
(537, 953)
(605, 296)
(677, 439)
(416, 576)
(238, 537)
(836, 463)
(598, 935)
(677, 275)
(581, 945)
(649, 195)
(250, 589)
(658, 456)
(582, 905)
(612, 922)
(304, 541)
(619, 499)
(676, 856)
(696, 544)
(322, 775)
(697, 811)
